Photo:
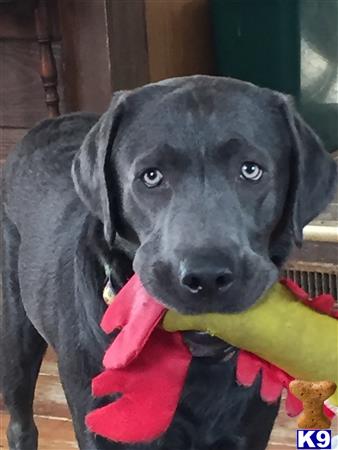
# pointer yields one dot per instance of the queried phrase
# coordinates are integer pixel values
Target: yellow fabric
(279, 329)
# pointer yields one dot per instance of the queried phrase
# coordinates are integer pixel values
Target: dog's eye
(152, 177)
(251, 171)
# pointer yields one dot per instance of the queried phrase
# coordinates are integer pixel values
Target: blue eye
(251, 171)
(152, 177)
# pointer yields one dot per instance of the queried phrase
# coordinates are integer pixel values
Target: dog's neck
(116, 259)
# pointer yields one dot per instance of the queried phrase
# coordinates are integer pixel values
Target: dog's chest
(209, 414)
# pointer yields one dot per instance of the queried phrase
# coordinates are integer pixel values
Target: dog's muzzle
(201, 345)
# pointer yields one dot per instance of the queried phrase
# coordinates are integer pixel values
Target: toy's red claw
(136, 314)
(149, 392)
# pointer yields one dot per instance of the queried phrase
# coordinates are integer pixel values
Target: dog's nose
(206, 277)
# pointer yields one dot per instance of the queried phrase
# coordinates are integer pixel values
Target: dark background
(104, 45)
(99, 46)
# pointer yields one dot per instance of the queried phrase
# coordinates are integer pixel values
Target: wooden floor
(55, 426)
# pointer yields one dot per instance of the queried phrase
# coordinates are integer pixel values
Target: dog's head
(213, 178)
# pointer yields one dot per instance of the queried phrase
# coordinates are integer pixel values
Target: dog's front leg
(76, 371)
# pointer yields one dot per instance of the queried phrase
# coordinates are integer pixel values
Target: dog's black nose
(204, 276)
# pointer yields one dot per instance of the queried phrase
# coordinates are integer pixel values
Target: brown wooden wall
(99, 46)
(111, 44)
(179, 38)
(21, 93)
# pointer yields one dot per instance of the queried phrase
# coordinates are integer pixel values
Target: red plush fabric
(136, 314)
(273, 381)
(148, 367)
(324, 303)
(151, 388)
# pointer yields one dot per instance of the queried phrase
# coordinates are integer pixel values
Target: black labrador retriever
(201, 185)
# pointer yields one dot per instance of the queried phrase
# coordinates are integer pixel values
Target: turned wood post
(48, 71)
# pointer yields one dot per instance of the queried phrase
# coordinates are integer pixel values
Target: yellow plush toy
(280, 329)
(281, 338)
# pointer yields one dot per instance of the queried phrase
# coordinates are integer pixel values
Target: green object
(257, 41)
(279, 329)
(287, 45)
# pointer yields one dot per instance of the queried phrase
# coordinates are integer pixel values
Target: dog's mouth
(203, 345)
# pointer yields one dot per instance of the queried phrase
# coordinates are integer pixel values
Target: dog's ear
(313, 172)
(90, 167)
(313, 177)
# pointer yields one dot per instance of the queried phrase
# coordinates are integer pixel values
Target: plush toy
(148, 361)
(279, 329)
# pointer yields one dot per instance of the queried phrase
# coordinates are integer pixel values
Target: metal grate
(315, 282)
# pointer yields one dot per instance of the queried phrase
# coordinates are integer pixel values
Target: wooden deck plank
(55, 426)
(57, 434)
(54, 434)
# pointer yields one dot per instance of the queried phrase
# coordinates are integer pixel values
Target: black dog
(201, 185)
